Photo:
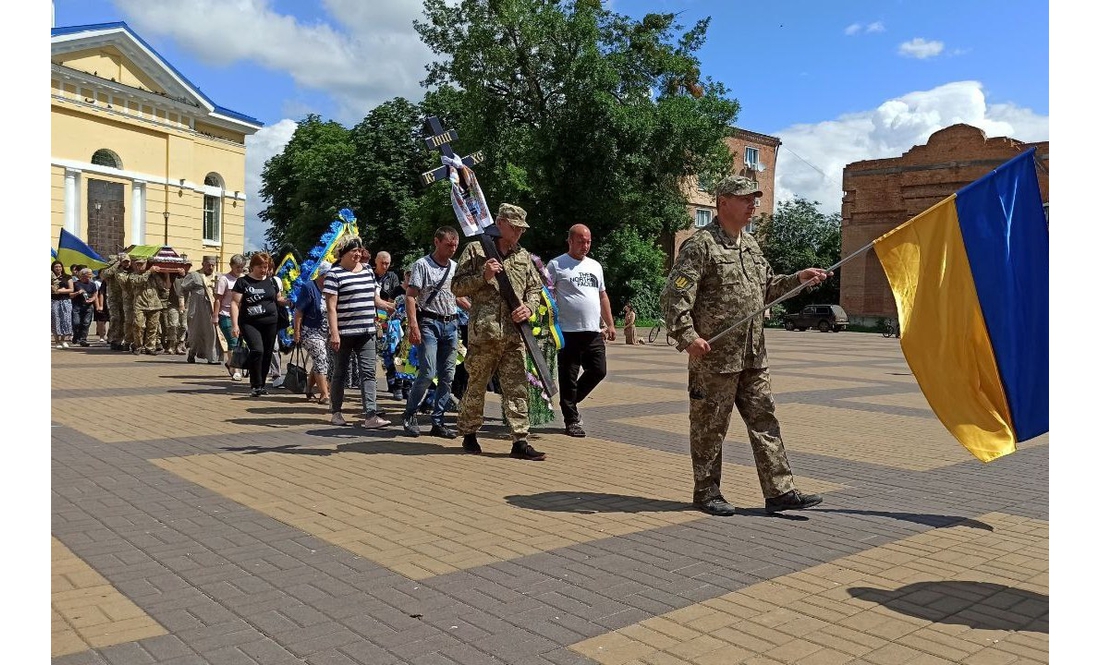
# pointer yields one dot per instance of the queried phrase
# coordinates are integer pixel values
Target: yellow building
(138, 154)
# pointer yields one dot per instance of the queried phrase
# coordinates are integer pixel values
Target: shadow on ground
(980, 605)
(376, 446)
(937, 521)
(590, 503)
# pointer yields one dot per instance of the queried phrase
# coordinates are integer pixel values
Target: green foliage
(800, 236)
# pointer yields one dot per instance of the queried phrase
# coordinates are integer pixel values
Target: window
(752, 157)
(104, 157)
(212, 210)
(702, 217)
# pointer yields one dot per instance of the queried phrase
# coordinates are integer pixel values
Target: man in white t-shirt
(582, 303)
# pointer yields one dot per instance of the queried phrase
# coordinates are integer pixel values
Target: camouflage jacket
(715, 281)
(111, 279)
(150, 290)
(490, 315)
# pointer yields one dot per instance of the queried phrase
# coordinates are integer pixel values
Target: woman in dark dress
(254, 314)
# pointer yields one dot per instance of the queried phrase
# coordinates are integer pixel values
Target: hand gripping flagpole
(788, 294)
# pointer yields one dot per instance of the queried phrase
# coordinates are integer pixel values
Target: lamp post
(165, 227)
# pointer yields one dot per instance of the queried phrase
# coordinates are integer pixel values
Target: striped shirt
(354, 293)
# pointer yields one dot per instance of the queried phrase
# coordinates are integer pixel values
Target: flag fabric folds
(72, 250)
(971, 279)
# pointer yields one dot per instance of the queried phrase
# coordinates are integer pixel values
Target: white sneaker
(64, 345)
(338, 419)
(236, 376)
(60, 346)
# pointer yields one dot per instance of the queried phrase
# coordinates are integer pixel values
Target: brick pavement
(201, 526)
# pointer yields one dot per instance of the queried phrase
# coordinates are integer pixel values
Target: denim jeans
(360, 350)
(437, 352)
(82, 321)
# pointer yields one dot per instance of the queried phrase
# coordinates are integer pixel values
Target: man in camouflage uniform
(112, 277)
(720, 275)
(495, 344)
(170, 315)
(130, 281)
(150, 289)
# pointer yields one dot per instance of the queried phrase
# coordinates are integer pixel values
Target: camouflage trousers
(117, 330)
(127, 322)
(146, 328)
(713, 397)
(507, 358)
(170, 327)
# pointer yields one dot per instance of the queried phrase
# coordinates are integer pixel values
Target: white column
(137, 213)
(72, 201)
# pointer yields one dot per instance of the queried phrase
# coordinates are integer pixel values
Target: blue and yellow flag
(971, 279)
(72, 250)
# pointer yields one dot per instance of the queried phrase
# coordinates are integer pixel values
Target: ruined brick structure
(880, 194)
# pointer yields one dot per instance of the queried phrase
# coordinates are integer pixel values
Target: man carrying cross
(495, 343)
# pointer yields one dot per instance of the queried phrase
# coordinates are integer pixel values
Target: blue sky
(836, 81)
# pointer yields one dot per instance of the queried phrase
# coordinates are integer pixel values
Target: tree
(585, 116)
(800, 236)
(308, 183)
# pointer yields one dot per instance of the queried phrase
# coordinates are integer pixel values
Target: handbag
(296, 375)
(239, 357)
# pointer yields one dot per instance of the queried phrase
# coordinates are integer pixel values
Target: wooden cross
(440, 140)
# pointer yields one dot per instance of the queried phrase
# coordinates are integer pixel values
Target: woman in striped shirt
(351, 300)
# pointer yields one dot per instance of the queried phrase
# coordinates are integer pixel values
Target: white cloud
(857, 28)
(813, 156)
(920, 48)
(260, 147)
(368, 54)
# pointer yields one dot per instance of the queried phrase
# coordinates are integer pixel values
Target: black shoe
(411, 426)
(523, 450)
(257, 392)
(399, 395)
(470, 444)
(716, 506)
(190, 358)
(575, 429)
(263, 391)
(154, 352)
(793, 500)
(443, 432)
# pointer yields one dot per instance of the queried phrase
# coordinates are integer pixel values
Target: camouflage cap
(736, 185)
(123, 256)
(515, 215)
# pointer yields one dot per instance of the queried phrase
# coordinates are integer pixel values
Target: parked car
(822, 317)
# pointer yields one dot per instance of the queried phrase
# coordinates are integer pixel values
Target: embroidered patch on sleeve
(681, 282)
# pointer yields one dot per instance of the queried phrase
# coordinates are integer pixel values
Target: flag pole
(789, 294)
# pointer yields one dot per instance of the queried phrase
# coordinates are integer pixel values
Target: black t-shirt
(85, 294)
(257, 299)
(62, 283)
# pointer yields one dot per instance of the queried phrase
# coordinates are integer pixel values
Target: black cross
(440, 140)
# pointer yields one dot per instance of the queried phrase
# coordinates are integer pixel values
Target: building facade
(881, 194)
(138, 154)
(754, 157)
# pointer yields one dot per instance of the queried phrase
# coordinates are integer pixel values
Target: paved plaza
(193, 524)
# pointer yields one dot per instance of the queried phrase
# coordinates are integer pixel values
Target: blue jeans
(437, 353)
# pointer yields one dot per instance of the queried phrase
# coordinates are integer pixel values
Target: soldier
(720, 275)
(150, 290)
(495, 344)
(112, 279)
(129, 281)
(170, 315)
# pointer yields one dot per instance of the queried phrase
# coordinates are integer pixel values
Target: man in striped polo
(351, 299)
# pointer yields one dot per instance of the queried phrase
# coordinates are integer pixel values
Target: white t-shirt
(577, 288)
(223, 290)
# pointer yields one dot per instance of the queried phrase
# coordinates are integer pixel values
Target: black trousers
(581, 350)
(260, 338)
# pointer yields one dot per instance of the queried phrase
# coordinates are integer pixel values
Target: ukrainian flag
(72, 250)
(970, 277)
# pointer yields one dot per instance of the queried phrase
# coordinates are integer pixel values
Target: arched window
(212, 209)
(105, 157)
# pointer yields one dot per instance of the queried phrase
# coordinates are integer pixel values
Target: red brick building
(880, 194)
(754, 157)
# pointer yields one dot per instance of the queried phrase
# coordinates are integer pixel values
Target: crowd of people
(352, 312)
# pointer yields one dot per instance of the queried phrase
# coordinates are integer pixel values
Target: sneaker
(793, 500)
(716, 506)
(85, 344)
(411, 426)
(60, 345)
(236, 376)
(575, 429)
(470, 444)
(263, 391)
(64, 345)
(338, 419)
(256, 392)
(373, 421)
(399, 395)
(443, 432)
(523, 450)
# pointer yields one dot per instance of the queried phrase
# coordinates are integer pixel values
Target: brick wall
(880, 194)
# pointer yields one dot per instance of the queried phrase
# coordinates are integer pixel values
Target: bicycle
(656, 330)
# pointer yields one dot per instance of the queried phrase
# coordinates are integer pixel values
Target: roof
(122, 27)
